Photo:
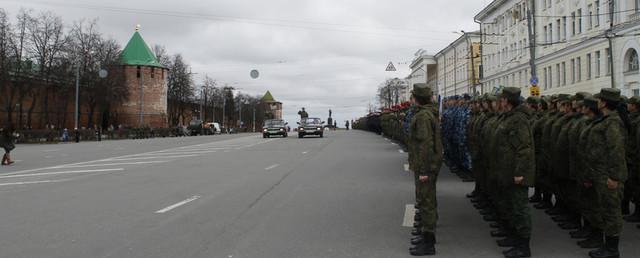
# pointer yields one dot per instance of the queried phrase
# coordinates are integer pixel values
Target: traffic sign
(534, 81)
(535, 90)
(391, 67)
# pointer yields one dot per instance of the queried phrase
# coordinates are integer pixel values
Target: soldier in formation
(425, 160)
(580, 149)
(456, 116)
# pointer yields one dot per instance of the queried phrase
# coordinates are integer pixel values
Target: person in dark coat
(6, 142)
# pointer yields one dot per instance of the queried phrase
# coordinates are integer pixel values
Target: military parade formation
(578, 152)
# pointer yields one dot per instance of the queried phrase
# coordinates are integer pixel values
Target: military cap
(533, 100)
(422, 90)
(553, 98)
(511, 93)
(610, 94)
(491, 97)
(466, 97)
(624, 99)
(591, 102)
(634, 101)
(582, 95)
(563, 98)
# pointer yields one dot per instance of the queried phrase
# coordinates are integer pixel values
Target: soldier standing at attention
(426, 162)
(631, 187)
(608, 169)
(515, 168)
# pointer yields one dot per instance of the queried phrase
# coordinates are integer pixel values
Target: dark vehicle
(310, 126)
(196, 127)
(274, 127)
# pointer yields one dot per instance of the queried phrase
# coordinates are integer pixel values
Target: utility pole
(254, 118)
(77, 113)
(531, 22)
(610, 35)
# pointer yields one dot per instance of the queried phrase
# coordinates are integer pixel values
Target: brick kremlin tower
(146, 80)
(272, 108)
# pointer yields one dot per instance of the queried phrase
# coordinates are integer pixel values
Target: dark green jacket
(606, 149)
(561, 148)
(487, 153)
(514, 148)
(582, 156)
(577, 126)
(426, 141)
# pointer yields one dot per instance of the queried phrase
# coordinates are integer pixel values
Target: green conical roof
(268, 97)
(137, 52)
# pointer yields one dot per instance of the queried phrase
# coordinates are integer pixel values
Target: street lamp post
(77, 113)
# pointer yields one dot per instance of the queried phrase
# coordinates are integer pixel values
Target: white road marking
(401, 151)
(406, 167)
(64, 172)
(48, 157)
(255, 144)
(51, 150)
(272, 167)
(409, 212)
(154, 157)
(125, 156)
(34, 182)
(305, 152)
(393, 143)
(117, 164)
(178, 204)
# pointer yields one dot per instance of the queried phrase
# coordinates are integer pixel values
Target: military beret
(533, 100)
(511, 93)
(564, 98)
(634, 100)
(591, 102)
(610, 94)
(582, 95)
(422, 90)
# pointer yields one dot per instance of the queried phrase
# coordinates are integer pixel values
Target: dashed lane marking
(178, 204)
(272, 167)
(406, 167)
(409, 212)
(401, 151)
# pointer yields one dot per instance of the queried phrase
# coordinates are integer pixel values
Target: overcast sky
(318, 54)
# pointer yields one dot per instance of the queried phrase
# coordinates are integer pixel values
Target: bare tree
(181, 90)
(6, 35)
(47, 42)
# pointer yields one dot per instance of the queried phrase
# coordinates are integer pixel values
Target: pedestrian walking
(7, 142)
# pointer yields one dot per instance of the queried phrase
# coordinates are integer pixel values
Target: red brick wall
(154, 92)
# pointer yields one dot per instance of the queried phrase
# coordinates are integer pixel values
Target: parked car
(212, 128)
(274, 127)
(196, 127)
(310, 126)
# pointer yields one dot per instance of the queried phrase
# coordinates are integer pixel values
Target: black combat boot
(490, 218)
(635, 217)
(495, 225)
(595, 240)
(625, 206)
(537, 196)
(610, 249)
(426, 247)
(474, 193)
(583, 232)
(509, 241)
(416, 232)
(417, 224)
(521, 250)
(545, 203)
(417, 240)
(500, 232)
(574, 223)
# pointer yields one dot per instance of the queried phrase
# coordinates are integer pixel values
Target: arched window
(632, 61)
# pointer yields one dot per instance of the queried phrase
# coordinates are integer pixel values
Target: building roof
(268, 98)
(137, 52)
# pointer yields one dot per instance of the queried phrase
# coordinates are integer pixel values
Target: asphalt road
(344, 195)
